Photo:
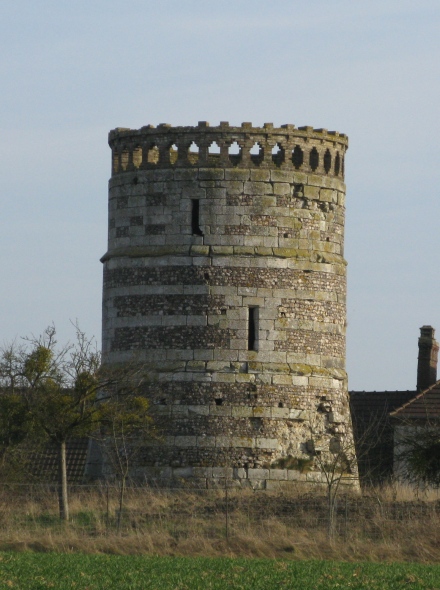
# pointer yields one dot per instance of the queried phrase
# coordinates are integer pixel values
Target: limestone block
(202, 354)
(278, 357)
(206, 441)
(199, 250)
(273, 485)
(282, 188)
(244, 378)
(166, 473)
(321, 382)
(336, 418)
(179, 410)
(202, 471)
(233, 187)
(265, 250)
(222, 441)
(196, 320)
(222, 472)
(220, 410)
(201, 377)
(280, 413)
(255, 188)
(239, 473)
(299, 178)
(315, 477)
(294, 475)
(242, 411)
(258, 473)
(298, 415)
(278, 474)
(223, 377)
(211, 173)
(199, 410)
(262, 412)
(260, 175)
(225, 355)
(237, 174)
(218, 366)
(300, 381)
(257, 484)
(243, 441)
(244, 250)
(281, 176)
(282, 380)
(196, 366)
(182, 472)
(328, 195)
(185, 441)
(264, 205)
(266, 443)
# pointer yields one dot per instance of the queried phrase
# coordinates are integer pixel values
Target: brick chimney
(427, 361)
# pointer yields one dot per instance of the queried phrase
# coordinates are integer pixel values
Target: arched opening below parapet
(153, 155)
(124, 160)
(234, 152)
(257, 153)
(174, 152)
(214, 153)
(297, 157)
(314, 159)
(327, 161)
(137, 156)
(193, 153)
(115, 162)
(278, 154)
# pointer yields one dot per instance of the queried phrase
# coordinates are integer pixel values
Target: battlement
(305, 149)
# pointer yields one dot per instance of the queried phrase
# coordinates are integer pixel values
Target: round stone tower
(225, 276)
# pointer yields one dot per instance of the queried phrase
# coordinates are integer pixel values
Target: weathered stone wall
(195, 240)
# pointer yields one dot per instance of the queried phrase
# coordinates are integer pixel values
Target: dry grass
(386, 525)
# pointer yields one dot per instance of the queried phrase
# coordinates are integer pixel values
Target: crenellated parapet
(304, 149)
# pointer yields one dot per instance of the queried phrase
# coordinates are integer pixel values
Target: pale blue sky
(71, 71)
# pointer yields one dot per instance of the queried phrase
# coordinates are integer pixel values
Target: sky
(71, 71)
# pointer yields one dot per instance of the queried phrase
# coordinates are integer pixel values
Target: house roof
(425, 404)
(45, 462)
(373, 432)
(365, 404)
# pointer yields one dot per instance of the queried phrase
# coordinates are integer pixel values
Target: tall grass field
(382, 526)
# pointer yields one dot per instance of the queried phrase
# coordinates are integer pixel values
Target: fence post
(107, 517)
(346, 518)
(227, 509)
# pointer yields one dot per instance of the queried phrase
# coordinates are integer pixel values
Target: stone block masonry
(225, 275)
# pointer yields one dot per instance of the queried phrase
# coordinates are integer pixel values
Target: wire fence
(215, 514)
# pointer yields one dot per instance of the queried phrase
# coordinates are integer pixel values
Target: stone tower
(225, 275)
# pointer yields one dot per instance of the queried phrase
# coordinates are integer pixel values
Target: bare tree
(126, 425)
(64, 389)
(417, 452)
(335, 457)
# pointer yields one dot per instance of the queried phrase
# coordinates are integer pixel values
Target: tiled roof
(373, 432)
(45, 463)
(367, 403)
(424, 405)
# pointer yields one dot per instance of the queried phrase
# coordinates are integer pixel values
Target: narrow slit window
(253, 328)
(195, 217)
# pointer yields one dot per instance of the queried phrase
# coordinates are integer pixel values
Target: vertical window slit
(253, 328)
(195, 217)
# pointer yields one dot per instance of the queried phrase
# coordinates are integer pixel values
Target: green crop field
(35, 571)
